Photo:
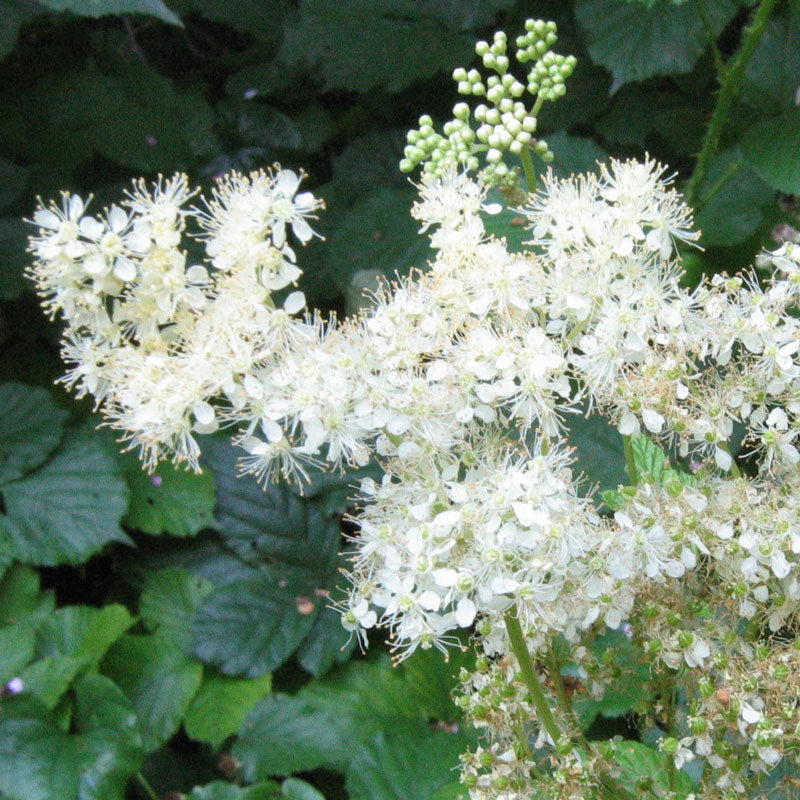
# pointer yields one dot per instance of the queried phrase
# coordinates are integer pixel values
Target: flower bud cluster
(504, 124)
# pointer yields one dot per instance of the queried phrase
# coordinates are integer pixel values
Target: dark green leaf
(16, 650)
(262, 20)
(168, 501)
(379, 232)
(13, 258)
(572, 154)
(221, 706)
(159, 680)
(327, 643)
(324, 724)
(771, 148)
(251, 627)
(69, 508)
(598, 450)
(363, 44)
(405, 767)
(15, 13)
(635, 41)
(168, 603)
(641, 113)
(100, 8)
(13, 180)
(735, 211)
(30, 429)
(771, 79)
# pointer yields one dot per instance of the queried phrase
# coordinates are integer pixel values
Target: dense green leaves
(332, 723)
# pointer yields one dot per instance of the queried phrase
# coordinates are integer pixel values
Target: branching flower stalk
(460, 381)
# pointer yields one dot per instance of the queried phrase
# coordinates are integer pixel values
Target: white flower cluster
(460, 381)
(153, 337)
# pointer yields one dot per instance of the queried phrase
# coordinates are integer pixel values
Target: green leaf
(100, 8)
(82, 632)
(159, 680)
(222, 790)
(50, 678)
(770, 84)
(772, 148)
(13, 258)
(295, 789)
(641, 114)
(13, 180)
(16, 650)
(221, 706)
(68, 509)
(110, 745)
(649, 459)
(364, 44)
(735, 211)
(39, 761)
(327, 643)
(638, 762)
(326, 722)
(634, 41)
(377, 231)
(168, 603)
(21, 599)
(599, 452)
(30, 429)
(404, 767)
(155, 126)
(262, 20)
(291, 544)
(15, 14)
(252, 627)
(170, 500)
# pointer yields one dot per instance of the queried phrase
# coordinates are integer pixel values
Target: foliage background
(172, 632)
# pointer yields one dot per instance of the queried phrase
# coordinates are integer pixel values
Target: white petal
(465, 612)
(294, 303)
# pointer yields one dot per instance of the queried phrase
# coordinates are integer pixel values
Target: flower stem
(610, 786)
(145, 784)
(729, 89)
(523, 656)
(527, 168)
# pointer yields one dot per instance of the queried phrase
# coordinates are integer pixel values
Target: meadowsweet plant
(461, 381)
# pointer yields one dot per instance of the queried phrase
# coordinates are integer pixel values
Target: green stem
(630, 461)
(527, 168)
(610, 786)
(717, 187)
(719, 63)
(145, 784)
(523, 656)
(729, 89)
(667, 700)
